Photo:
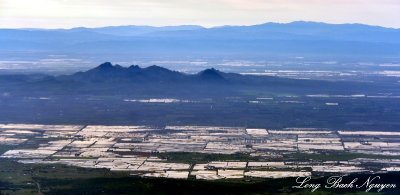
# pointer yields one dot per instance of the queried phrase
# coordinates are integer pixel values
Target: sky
(208, 13)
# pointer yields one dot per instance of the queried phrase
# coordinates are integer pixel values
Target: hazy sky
(91, 13)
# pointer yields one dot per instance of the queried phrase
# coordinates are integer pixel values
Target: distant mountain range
(155, 81)
(268, 38)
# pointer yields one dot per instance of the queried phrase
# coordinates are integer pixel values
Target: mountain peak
(211, 74)
(106, 65)
(157, 68)
(210, 71)
(134, 68)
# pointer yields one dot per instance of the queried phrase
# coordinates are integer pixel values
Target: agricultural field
(206, 153)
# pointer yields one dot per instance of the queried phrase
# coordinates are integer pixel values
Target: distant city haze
(208, 13)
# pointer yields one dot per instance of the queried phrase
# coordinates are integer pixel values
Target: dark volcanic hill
(155, 81)
(108, 73)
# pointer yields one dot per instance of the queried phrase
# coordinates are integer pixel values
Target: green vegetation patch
(188, 157)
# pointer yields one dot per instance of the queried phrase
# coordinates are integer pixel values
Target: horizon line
(205, 27)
